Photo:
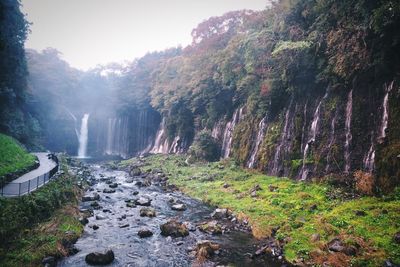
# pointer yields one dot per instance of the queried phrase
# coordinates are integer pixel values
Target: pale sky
(91, 32)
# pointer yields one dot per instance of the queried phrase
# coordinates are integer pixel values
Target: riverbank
(41, 224)
(316, 223)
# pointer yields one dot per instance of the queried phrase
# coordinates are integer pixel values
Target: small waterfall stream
(369, 159)
(83, 137)
(228, 133)
(312, 134)
(262, 126)
(349, 111)
(117, 137)
(331, 141)
(161, 143)
(282, 142)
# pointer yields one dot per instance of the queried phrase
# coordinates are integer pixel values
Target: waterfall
(331, 141)
(385, 116)
(161, 143)
(311, 136)
(369, 159)
(349, 111)
(117, 143)
(303, 129)
(262, 126)
(283, 141)
(83, 136)
(228, 133)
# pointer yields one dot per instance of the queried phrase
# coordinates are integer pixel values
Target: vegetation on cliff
(13, 157)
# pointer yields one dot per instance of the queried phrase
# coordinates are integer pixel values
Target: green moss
(13, 157)
(298, 210)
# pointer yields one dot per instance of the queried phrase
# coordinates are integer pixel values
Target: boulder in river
(108, 191)
(135, 171)
(206, 249)
(178, 207)
(113, 185)
(49, 261)
(143, 233)
(220, 214)
(99, 258)
(174, 228)
(211, 227)
(143, 201)
(92, 197)
(147, 212)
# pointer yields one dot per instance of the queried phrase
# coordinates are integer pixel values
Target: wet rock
(95, 227)
(178, 207)
(253, 193)
(220, 214)
(99, 217)
(83, 220)
(205, 249)
(113, 185)
(98, 258)
(180, 243)
(129, 180)
(174, 228)
(124, 226)
(134, 171)
(108, 191)
(95, 204)
(396, 238)
(190, 226)
(135, 193)
(49, 261)
(92, 197)
(143, 233)
(147, 212)
(313, 207)
(257, 187)
(211, 227)
(106, 211)
(131, 205)
(143, 201)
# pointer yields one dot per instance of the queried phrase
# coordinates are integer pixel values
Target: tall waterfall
(117, 137)
(161, 142)
(385, 116)
(283, 141)
(369, 158)
(311, 137)
(349, 111)
(83, 137)
(262, 126)
(228, 133)
(331, 141)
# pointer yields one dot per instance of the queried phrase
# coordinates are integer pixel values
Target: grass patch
(293, 210)
(13, 157)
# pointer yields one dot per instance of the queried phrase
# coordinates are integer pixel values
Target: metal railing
(19, 189)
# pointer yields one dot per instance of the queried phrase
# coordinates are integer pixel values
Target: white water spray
(83, 136)
(349, 111)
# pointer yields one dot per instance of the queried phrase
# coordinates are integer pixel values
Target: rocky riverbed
(136, 219)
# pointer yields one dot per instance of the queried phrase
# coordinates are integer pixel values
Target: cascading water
(369, 159)
(262, 126)
(349, 111)
(331, 141)
(83, 137)
(385, 116)
(311, 137)
(283, 141)
(161, 143)
(303, 129)
(228, 133)
(117, 137)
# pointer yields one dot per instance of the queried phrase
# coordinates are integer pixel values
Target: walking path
(21, 185)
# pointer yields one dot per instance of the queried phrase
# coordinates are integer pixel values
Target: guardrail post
(29, 186)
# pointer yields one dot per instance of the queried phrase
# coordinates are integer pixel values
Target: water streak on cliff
(228, 133)
(349, 111)
(262, 127)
